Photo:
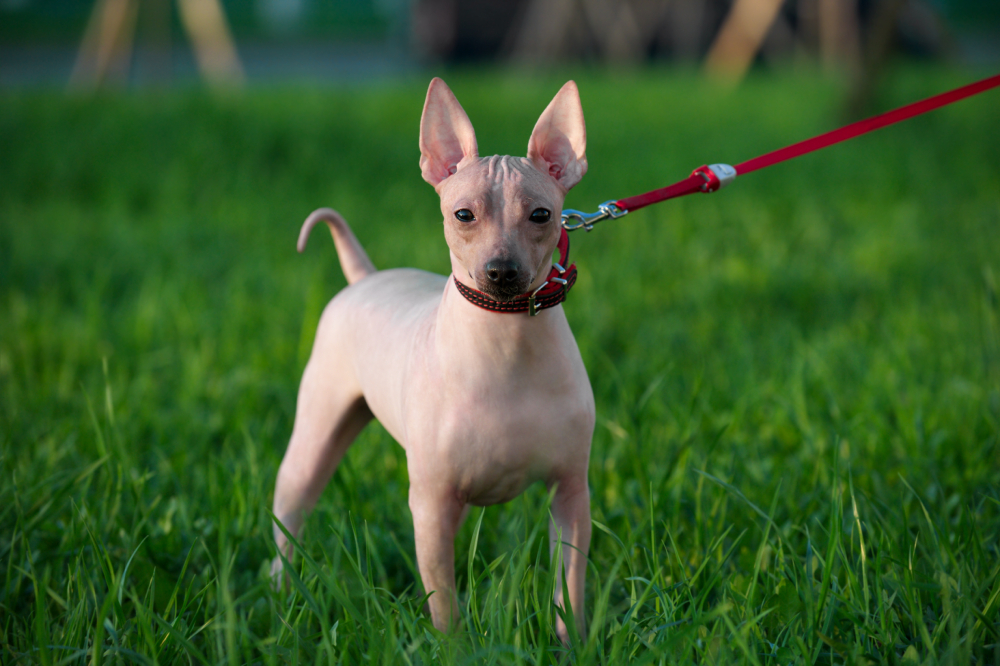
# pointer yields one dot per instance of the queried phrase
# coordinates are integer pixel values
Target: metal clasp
(608, 210)
(532, 310)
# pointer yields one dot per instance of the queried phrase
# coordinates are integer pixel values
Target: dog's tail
(353, 258)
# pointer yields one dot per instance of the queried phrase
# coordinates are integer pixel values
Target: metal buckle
(532, 310)
(608, 210)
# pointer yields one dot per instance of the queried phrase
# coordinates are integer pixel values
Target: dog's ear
(558, 143)
(446, 135)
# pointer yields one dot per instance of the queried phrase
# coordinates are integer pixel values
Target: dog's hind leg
(330, 413)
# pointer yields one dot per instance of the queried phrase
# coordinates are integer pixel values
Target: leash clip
(716, 176)
(608, 210)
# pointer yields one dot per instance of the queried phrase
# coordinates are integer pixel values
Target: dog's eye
(464, 215)
(540, 216)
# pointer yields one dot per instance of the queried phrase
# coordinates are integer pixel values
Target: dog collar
(550, 293)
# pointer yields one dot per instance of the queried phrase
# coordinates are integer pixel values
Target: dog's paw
(279, 579)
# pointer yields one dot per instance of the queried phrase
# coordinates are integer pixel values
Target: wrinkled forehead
(502, 178)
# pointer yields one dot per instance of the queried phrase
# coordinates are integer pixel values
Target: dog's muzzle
(503, 280)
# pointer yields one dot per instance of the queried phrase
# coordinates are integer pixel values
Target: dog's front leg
(571, 526)
(437, 516)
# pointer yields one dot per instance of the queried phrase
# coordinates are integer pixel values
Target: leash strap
(867, 125)
(710, 178)
(549, 294)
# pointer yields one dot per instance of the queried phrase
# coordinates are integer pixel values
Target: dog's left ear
(558, 144)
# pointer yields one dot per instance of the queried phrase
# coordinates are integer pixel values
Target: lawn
(797, 454)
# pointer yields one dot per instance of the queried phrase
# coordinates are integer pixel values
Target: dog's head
(502, 213)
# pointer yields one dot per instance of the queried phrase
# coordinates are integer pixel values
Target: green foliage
(797, 380)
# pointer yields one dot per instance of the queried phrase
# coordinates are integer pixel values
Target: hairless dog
(484, 402)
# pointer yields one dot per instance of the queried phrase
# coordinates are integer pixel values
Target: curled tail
(353, 259)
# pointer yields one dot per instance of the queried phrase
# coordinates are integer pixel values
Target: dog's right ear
(446, 135)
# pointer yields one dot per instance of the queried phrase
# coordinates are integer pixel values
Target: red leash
(710, 178)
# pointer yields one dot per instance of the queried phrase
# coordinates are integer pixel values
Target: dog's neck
(505, 342)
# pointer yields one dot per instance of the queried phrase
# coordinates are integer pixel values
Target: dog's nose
(502, 272)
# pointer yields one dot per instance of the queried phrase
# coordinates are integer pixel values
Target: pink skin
(484, 403)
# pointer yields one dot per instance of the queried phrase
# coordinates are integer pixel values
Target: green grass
(797, 457)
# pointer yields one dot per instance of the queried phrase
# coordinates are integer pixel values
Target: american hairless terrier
(485, 397)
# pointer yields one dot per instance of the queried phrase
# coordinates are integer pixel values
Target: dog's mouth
(502, 293)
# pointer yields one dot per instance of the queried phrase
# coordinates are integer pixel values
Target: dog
(477, 375)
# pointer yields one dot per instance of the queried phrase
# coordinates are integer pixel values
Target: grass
(797, 457)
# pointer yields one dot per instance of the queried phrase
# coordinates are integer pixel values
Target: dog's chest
(483, 404)
(489, 441)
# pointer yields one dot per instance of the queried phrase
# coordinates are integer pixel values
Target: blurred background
(831, 323)
(152, 42)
